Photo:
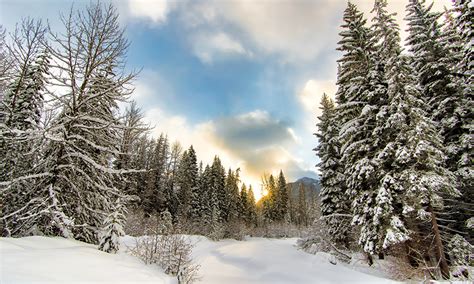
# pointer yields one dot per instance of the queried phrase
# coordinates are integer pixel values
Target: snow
(59, 260)
(256, 260)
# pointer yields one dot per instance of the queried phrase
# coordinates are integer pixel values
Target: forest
(77, 159)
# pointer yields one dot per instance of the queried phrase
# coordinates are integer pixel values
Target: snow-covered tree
(113, 228)
(187, 182)
(21, 132)
(282, 198)
(252, 206)
(83, 139)
(334, 204)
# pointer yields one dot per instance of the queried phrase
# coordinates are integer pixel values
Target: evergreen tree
(153, 198)
(333, 201)
(282, 198)
(360, 89)
(232, 194)
(217, 187)
(187, 181)
(252, 206)
(83, 138)
(302, 210)
(113, 229)
(244, 204)
(21, 133)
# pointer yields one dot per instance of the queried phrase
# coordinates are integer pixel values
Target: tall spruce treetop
(354, 45)
(365, 93)
(387, 219)
(431, 60)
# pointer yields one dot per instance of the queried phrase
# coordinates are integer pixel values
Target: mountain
(311, 186)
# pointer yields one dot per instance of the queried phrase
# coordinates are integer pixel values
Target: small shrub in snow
(113, 230)
(170, 251)
(461, 254)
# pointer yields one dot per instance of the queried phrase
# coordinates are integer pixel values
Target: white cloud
(209, 46)
(310, 96)
(255, 142)
(155, 10)
(298, 30)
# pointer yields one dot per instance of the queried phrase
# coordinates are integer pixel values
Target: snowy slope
(58, 260)
(257, 260)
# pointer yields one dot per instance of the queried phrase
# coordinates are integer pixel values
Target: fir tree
(252, 206)
(333, 202)
(83, 139)
(187, 181)
(282, 198)
(113, 229)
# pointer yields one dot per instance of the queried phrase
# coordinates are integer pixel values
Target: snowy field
(257, 260)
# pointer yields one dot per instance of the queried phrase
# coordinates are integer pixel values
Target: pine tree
(155, 196)
(302, 210)
(352, 70)
(360, 89)
(232, 194)
(113, 229)
(83, 138)
(432, 57)
(244, 204)
(334, 208)
(282, 198)
(252, 207)
(187, 181)
(21, 140)
(217, 187)
(458, 37)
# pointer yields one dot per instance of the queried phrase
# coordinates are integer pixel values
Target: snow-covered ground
(256, 260)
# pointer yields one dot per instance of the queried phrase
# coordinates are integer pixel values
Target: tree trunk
(439, 249)
(409, 254)
(370, 260)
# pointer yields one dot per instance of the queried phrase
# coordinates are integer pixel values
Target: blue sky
(237, 78)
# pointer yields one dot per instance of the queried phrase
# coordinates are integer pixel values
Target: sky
(240, 79)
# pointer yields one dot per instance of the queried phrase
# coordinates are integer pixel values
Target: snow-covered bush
(461, 254)
(236, 230)
(172, 252)
(113, 229)
(318, 240)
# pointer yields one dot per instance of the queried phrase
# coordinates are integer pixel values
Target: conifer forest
(392, 196)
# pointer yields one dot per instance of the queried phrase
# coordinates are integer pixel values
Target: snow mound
(59, 260)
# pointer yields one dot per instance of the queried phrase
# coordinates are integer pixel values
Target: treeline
(200, 199)
(396, 149)
(207, 200)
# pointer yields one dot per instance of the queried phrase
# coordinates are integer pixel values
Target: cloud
(207, 47)
(260, 143)
(255, 142)
(310, 96)
(154, 10)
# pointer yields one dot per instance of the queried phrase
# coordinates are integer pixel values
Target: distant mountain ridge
(311, 186)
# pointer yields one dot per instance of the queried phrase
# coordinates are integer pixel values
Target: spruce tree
(187, 182)
(83, 138)
(282, 198)
(334, 209)
(21, 133)
(252, 207)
